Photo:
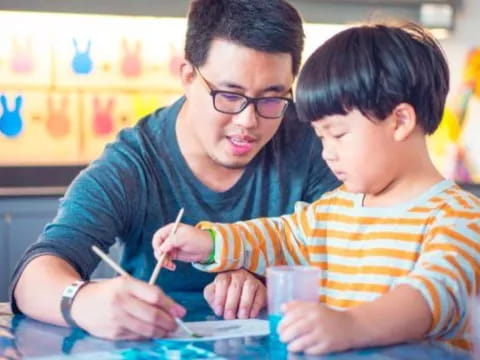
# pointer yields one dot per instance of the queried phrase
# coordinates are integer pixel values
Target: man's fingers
(222, 282)
(141, 328)
(154, 296)
(248, 294)
(152, 316)
(232, 299)
(259, 301)
(209, 294)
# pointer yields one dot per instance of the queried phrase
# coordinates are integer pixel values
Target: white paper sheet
(222, 329)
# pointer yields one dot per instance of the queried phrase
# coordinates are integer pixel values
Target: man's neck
(212, 174)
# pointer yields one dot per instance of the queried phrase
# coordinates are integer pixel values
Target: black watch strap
(67, 300)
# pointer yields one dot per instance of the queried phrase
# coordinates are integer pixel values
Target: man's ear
(187, 74)
(404, 121)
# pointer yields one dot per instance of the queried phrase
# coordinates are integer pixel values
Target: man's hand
(236, 294)
(125, 308)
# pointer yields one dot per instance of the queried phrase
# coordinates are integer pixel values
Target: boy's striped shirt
(431, 243)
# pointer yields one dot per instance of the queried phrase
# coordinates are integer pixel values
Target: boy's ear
(404, 121)
(187, 74)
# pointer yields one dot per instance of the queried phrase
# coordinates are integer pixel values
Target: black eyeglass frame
(249, 100)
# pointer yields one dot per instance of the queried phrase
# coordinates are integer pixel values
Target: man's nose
(247, 118)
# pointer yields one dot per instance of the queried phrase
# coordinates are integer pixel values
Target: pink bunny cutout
(103, 117)
(131, 60)
(22, 56)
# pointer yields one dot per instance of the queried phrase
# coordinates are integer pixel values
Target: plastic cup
(288, 283)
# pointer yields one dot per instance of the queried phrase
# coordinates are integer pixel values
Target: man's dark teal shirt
(142, 180)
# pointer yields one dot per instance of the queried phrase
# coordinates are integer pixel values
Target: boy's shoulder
(454, 199)
(455, 205)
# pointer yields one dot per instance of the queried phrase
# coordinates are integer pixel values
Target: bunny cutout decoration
(11, 123)
(58, 122)
(131, 62)
(82, 63)
(22, 57)
(103, 117)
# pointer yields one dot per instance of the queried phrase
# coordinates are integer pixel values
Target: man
(224, 152)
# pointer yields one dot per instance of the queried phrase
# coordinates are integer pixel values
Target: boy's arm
(447, 273)
(258, 243)
(432, 300)
(314, 328)
(398, 316)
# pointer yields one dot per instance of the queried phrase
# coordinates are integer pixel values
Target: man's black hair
(272, 26)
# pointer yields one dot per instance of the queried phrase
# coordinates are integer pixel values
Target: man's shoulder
(150, 131)
(156, 122)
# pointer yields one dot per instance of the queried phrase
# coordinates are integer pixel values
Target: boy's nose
(328, 154)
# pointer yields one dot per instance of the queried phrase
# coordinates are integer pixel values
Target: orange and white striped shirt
(431, 243)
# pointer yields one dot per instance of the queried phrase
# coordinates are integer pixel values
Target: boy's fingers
(295, 329)
(169, 264)
(161, 235)
(167, 246)
(304, 342)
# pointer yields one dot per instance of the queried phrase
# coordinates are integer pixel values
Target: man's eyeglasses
(228, 102)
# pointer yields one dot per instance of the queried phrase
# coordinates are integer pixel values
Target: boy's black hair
(272, 26)
(374, 68)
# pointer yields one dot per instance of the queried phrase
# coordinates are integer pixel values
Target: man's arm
(120, 308)
(101, 204)
(38, 298)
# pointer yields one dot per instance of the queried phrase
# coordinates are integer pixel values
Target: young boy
(398, 244)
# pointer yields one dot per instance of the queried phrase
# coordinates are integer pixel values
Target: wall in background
(71, 81)
(90, 143)
(462, 48)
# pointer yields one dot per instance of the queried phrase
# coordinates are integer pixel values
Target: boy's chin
(354, 188)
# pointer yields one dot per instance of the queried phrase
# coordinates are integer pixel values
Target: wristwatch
(67, 300)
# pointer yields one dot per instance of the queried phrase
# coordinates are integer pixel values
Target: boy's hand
(315, 329)
(189, 244)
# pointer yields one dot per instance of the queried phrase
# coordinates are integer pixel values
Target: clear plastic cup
(288, 283)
